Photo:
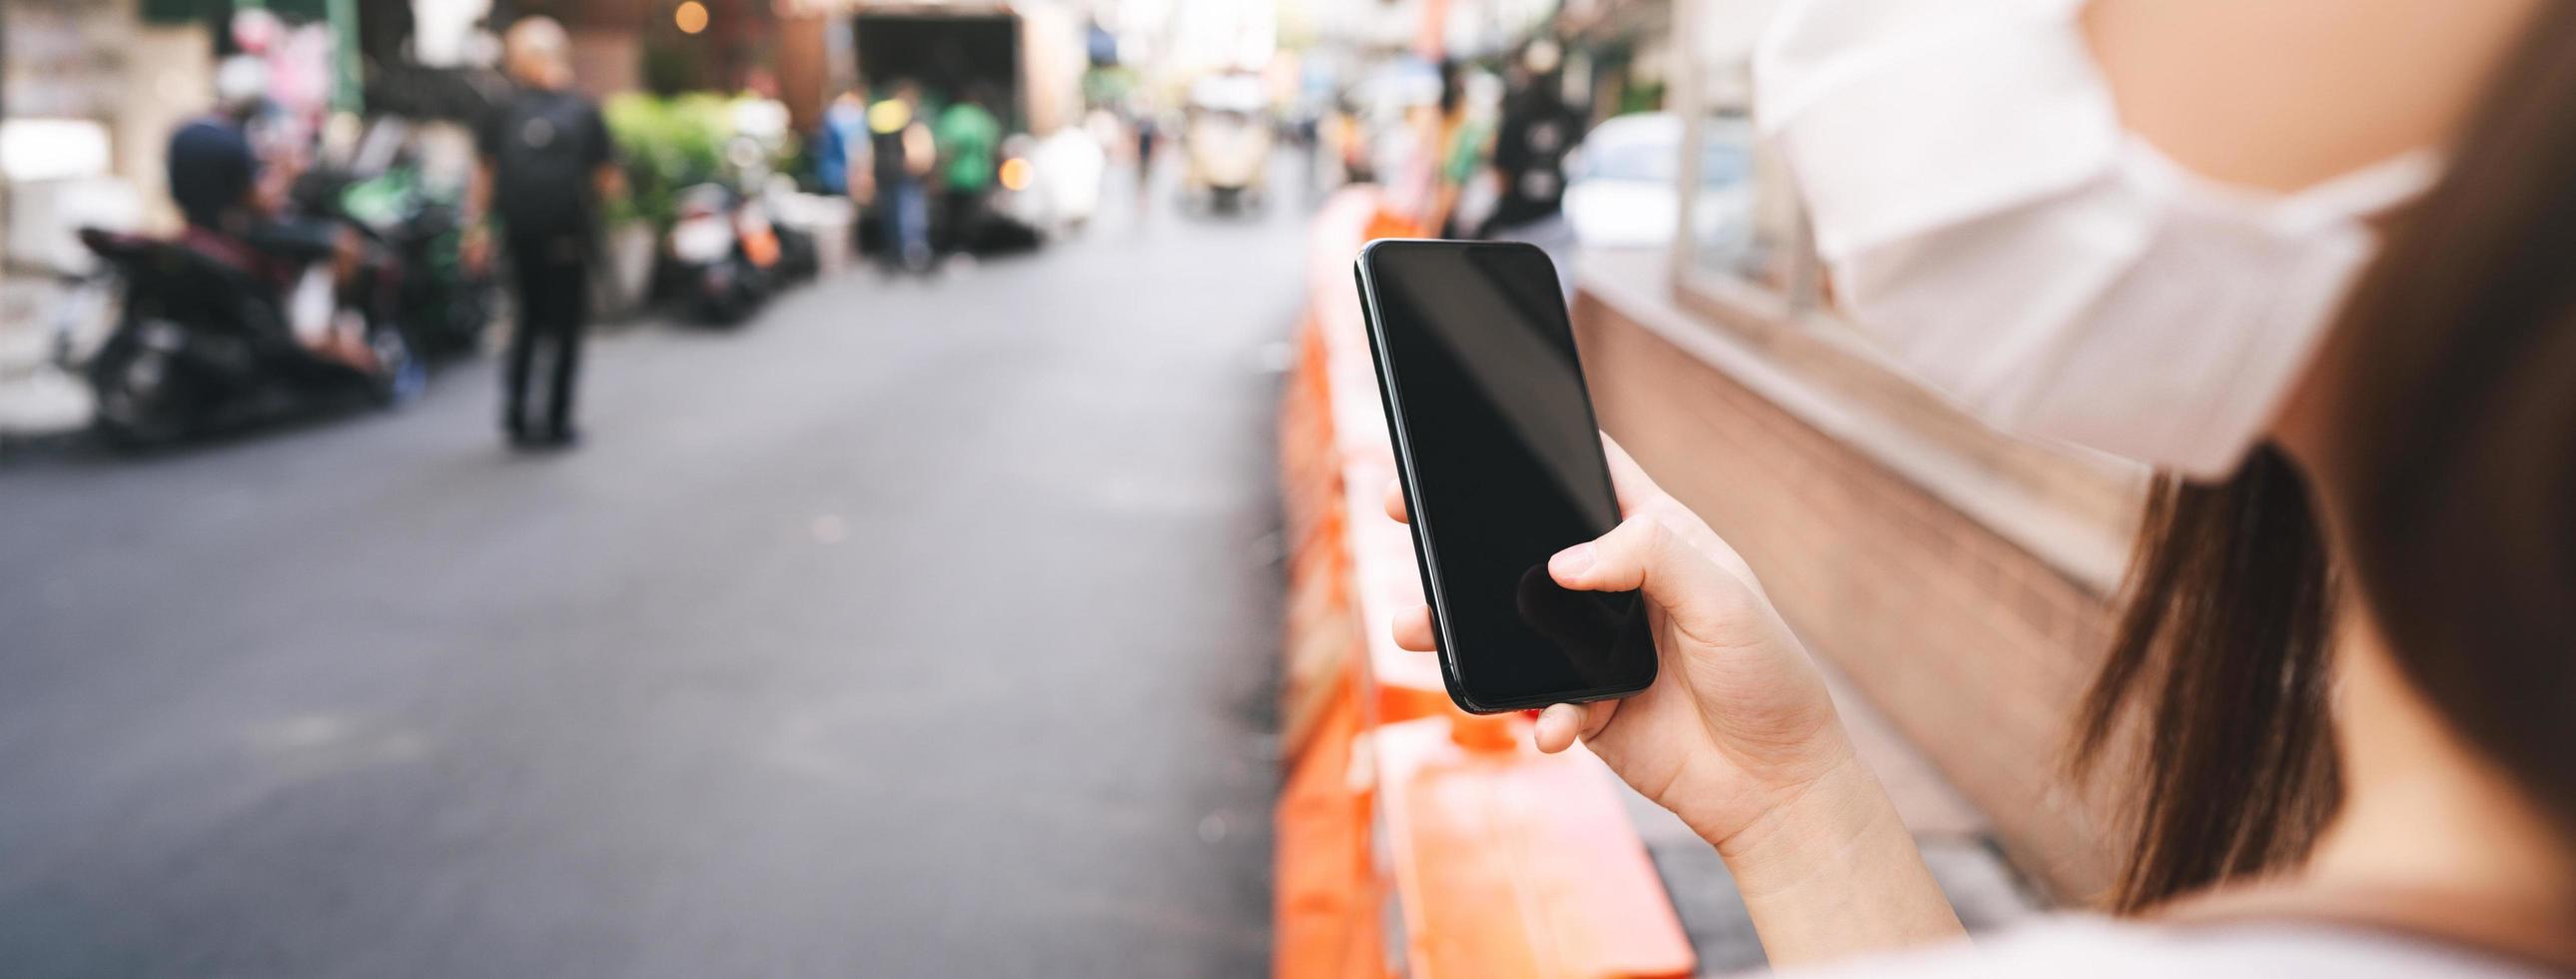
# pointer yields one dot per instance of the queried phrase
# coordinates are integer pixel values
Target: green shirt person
(967, 135)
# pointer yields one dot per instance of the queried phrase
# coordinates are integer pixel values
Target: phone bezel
(1420, 525)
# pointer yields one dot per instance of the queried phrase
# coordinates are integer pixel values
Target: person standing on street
(842, 160)
(1145, 134)
(1459, 148)
(968, 136)
(1538, 130)
(546, 163)
(903, 156)
(841, 156)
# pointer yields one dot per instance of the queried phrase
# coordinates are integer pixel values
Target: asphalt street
(914, 628)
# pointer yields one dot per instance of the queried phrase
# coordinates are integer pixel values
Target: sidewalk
(36, 398)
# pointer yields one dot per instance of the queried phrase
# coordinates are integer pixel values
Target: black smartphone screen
(1502, 468)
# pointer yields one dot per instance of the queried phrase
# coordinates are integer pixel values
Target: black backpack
(542, 159)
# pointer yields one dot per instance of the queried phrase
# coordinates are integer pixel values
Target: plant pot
(627, 253)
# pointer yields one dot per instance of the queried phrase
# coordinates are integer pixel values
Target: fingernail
(1571, 561)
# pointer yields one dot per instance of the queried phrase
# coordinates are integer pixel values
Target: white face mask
(1990, 222)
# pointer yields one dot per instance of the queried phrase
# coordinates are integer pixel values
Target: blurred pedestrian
(841, 148)
(546, 162)
(227, 172)
(1145, 133)
(1464, 139)
(841, 158)
(1538, 129)
(968, 136)
(1346, 132)
(903, 153)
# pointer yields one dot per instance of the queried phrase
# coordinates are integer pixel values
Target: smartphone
(1501, 463)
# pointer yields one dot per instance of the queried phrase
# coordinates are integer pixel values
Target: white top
(2101, 948)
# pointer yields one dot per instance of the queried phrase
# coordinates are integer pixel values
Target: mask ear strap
(2338, 201)
(2373, 189)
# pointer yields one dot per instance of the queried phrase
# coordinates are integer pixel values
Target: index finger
(1395, 502)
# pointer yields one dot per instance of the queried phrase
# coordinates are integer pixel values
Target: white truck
(1031, 56)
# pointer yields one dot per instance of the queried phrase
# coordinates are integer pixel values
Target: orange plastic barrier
(1513, 863)
(1415, 839)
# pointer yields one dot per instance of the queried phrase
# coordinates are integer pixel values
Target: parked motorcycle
(203, 343)
(444, 305)
(799, 258)
(724, 254)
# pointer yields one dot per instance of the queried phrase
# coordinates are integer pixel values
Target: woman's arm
(1835, 873)
(1738, 736)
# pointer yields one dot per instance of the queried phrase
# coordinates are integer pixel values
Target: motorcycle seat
(201, 277)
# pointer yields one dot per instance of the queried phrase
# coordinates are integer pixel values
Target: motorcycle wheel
(400, 376)
(139, 399)
(729, 298)
(729, 308)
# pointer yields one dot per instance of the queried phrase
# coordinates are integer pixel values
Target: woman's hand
(1738, 722)
(1737, 736)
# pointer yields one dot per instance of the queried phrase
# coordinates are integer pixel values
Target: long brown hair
(2453, 470)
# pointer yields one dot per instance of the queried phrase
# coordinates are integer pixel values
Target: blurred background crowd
(768, 116)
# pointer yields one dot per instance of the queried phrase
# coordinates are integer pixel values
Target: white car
(1070, 164)
(1051, 185)
(1622, 188)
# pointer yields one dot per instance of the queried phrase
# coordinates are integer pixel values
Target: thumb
(1641, 554)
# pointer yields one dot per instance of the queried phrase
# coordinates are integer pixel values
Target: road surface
(912, 629)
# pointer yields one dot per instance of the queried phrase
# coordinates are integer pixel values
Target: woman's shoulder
(2103, 948)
